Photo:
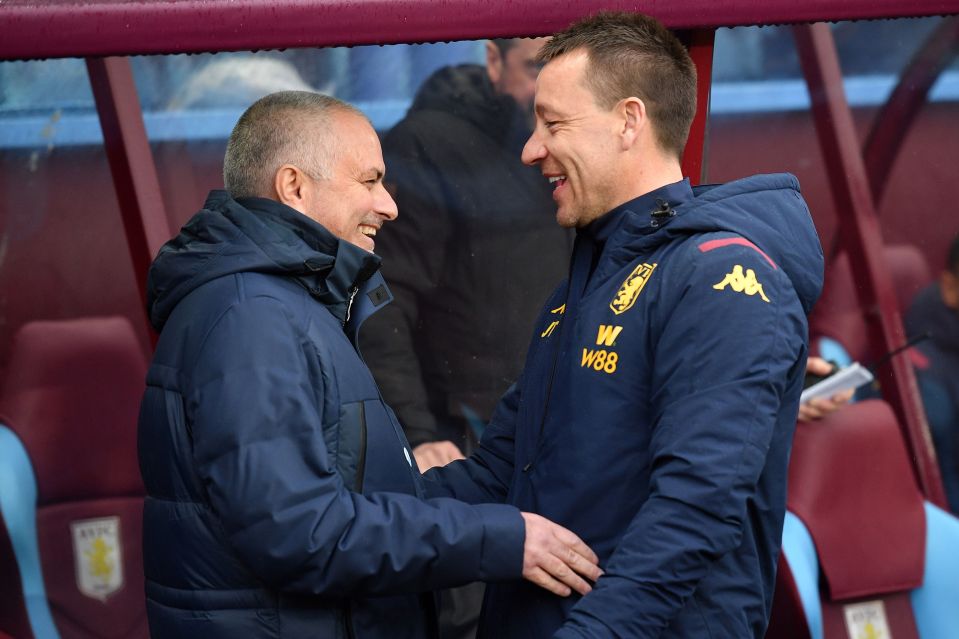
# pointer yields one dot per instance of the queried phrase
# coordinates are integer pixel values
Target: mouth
(368, 232)
(558, 182)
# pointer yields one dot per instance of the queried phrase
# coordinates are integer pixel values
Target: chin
(364, 243)
(566, 220)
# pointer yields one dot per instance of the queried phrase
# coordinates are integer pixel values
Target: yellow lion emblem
(631, 288)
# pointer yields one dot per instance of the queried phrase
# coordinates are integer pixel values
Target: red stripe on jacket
(705, 247)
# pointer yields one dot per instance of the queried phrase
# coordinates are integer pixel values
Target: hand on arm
(433, 454)
(485, 476)
(556, 559)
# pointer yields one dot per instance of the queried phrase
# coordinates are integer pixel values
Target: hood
(767, 210)
(255, 235)
(466, 92)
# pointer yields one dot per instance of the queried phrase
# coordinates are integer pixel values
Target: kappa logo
(97, 556)
(741, 283)
(631, 288)
(552, 325)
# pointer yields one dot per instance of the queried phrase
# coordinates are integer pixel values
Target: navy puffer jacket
(282, 500)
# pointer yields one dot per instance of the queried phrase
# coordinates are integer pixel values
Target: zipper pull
(349, 304)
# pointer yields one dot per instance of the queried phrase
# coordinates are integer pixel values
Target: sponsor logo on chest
(601, 359)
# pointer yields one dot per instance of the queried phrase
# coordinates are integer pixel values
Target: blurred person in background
(935, 312)
(470, 260)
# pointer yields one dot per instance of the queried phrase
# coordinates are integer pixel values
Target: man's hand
(433, 454)
(552, 557)
(818, 408)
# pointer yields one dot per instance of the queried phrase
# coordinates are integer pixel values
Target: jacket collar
(331, 269)
(640, 216)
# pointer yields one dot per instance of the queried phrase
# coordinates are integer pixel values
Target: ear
(290, 185)
(634, 121)
(494, 62)
(949, 289)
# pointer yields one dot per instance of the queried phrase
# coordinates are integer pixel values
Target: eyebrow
(541, 109)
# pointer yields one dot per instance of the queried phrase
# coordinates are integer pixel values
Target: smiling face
(578, 144)
(352, 202)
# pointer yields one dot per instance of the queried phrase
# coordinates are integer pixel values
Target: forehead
(356, 140)
(562, 82)
(524, 51)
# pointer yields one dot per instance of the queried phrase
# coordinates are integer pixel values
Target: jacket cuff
(504, 535)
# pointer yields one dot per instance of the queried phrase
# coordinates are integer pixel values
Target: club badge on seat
(97, 556)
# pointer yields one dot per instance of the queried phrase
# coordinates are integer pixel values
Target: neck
(652, 169)
(649, 176)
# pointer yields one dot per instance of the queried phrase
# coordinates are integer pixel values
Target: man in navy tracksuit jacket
(657, 404)
(282, 499)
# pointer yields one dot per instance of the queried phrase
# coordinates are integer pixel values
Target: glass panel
(476, 249)
(63, 253)
(758, 96)
(191, 102)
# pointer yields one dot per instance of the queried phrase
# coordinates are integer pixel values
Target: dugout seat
(864, 556)
(71, 498)
(838, 321)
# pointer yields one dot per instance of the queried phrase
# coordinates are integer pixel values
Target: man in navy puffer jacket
(282, 500)
(657, 404)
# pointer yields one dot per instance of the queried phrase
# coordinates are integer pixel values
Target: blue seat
(859, 532)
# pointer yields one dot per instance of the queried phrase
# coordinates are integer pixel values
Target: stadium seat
(838, 317)
(70, 493)
(864, 555)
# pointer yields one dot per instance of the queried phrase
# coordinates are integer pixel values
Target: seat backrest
(71, 498)
(910, 272)
(862, 551)
(838, 315)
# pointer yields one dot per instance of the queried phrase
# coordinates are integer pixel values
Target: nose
(533, 151)
(383, 203)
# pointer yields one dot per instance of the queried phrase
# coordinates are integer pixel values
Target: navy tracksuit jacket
(655, 413)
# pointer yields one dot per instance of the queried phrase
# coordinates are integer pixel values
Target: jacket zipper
(349, 303)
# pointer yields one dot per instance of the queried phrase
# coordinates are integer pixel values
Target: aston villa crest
(97, 556)
(631, 288)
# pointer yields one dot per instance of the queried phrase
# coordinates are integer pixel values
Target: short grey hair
(287, 127)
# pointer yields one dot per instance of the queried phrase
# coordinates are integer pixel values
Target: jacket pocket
(351, 445)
